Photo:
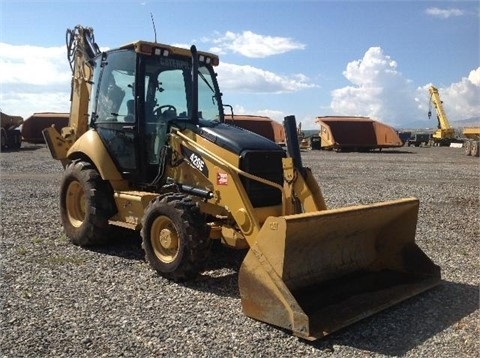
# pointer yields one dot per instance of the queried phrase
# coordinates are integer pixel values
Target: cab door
(114, 116)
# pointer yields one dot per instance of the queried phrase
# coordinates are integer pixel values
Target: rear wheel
(475, 150)
(175, 237)
(14, 140)
(3, 139)
(85, 205)
(467, 147)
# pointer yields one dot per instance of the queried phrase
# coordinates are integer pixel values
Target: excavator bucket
(315, 273)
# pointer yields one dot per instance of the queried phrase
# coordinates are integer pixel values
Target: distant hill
(309, 132)
(469, 122)
(423, 124)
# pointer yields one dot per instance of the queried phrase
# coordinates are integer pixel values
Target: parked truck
(419, 139)
(472, 141)
(11, 136)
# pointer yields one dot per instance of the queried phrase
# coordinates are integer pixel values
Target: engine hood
(236, 139)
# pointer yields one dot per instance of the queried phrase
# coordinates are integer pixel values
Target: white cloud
(37, 79)
(381, 92)
(272, 114)
(461, 100)
(474, 77)
(253, 45)
(443, 13)
(248, 79)
(34, 79)
(25, 104)
(34, 65)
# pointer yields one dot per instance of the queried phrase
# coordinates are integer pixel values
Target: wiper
(205, 80)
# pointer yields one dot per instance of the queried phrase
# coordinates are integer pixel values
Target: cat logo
(195, 160)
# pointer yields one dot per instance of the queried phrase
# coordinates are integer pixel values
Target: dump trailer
(34, 125)
(147, 149)
(11, 137)
(261, 125)
(471, 144)
(347, 133)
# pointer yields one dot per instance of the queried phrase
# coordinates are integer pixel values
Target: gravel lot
(59, 300)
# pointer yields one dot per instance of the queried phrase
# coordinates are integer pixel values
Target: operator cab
(140, 90)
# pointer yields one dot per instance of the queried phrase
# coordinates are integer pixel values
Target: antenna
(154, 29)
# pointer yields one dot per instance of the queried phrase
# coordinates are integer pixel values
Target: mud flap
(315, 273)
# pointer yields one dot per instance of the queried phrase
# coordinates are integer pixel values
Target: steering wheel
(158, 112)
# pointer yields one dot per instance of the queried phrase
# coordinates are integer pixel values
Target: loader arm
(233, 196)
(316, 271)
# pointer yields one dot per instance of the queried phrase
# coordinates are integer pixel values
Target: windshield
(168, 90)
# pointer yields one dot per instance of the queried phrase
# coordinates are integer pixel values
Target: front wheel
(85, 205)
(175, 237)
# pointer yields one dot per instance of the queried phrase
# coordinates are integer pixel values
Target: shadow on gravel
(391, 152)
(23, 149)
(221, 272)
(123, 243)
(32, 147)
(220, 276)
(401, 328)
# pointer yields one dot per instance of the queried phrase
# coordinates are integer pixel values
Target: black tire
(475, 150)
(85, 205)
(14, 140)
(467, 147)
(175, 237)
(3, 139)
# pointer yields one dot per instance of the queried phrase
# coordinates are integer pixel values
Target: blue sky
(307, 58)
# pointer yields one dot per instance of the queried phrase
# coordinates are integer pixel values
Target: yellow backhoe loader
(147, 149)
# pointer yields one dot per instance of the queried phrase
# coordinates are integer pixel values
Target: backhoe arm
(81, 49)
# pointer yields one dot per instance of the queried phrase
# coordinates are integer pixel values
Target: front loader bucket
(315, 273)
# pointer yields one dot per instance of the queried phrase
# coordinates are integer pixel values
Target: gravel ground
(59, 300)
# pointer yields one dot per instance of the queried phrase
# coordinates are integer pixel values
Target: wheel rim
(75, 203)
(164, 239)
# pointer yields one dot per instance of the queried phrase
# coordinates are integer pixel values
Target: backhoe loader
(147, 148)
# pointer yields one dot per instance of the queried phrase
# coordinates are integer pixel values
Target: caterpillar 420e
(147, 149)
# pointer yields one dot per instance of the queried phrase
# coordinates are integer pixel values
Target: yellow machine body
(445, 131)
(309, 269)
(315, 273)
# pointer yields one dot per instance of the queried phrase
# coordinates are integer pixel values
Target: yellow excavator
(147, 148)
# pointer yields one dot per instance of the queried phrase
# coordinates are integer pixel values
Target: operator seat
(130, 117)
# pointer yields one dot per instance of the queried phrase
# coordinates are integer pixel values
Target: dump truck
(34, 125)
(261, 125)
(356, 133)
(147, 149)
(471, 144)
(10, 133)
(418, 139)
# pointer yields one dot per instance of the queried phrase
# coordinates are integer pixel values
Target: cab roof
(159, 49)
